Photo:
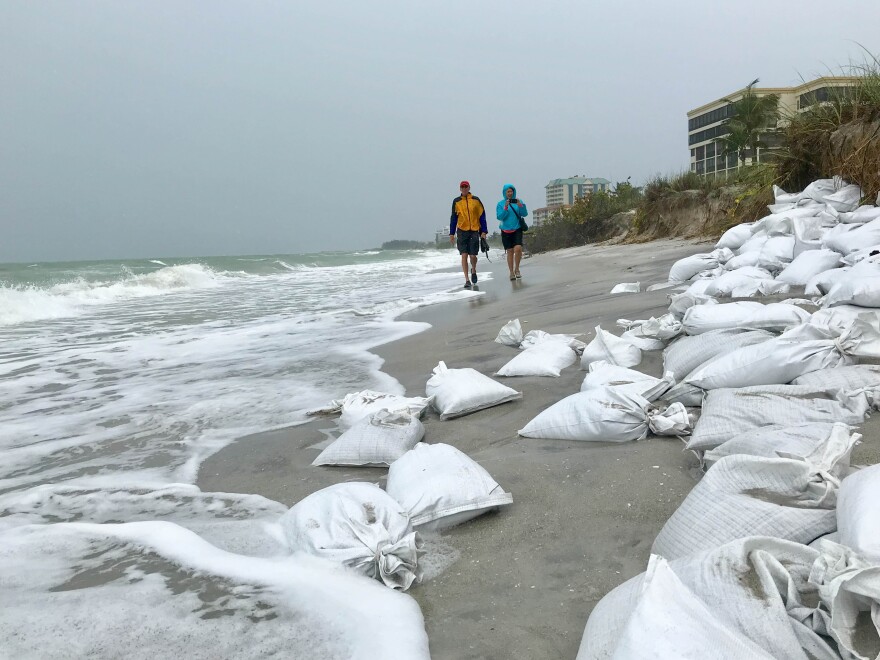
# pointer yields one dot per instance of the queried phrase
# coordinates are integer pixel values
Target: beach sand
(584, 515)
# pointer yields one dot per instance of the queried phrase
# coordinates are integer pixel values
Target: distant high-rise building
(564, 191)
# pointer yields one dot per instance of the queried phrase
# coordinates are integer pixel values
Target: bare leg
(517, 257)
(464, 267)
(510, 262)
(473, 264)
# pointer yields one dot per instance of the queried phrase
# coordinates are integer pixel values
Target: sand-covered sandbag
(627, 287)
(773, 441)
(685, 354)
(729, 412)
(862, 291)
(605, 374)
(807, 265)
(359, 526)
(742, 314)
(858, 513)
(679, 303)
(734, 237)
(440, 487)
(799, 351)
(359, 405)
(548, 357)
(511, 334)
(457, 392)
(742, 495)
(671, 621)
(606, 414)
(793, 601)
(848, 379)
(377, 440)
(610, 348)
(684, 269)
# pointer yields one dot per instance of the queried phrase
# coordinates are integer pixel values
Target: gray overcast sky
(205, 128)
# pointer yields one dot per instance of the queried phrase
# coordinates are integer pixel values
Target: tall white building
(564, 191)
(707, 123)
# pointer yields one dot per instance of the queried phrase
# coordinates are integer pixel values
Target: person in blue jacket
(509, 211)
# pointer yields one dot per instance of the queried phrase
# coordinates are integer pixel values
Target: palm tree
(736, 141)
(752, 116)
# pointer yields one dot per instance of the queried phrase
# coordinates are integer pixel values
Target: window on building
(701, 168)
(732, 159)
(710, 150)
(710, 165)
(701, 153)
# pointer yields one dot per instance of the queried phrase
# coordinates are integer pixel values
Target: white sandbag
(652, 334)
(684, 269)
(687, 353)
(548, 357)
(742, 314)
(745, 260)
(613, 349)
(722, 254)
(808, 234)
(730, 412)
(847, 379)
(377, 440)
(511, 334)
(754, 244)
(457, 392)
(698, 287)
(358, 405)
(359, 526)
(776, 253)
(797, 352)
(604, 374)
(782, 197)
(791, 600)
(861, 215)
(869, 255)
(679, 303)
(840, 315)
(863, 291)
(535, 337)
(606, 414)
(670, 621)
(821, 283)
(858, 512)
(627, 287)
(440, 487)
(850, 241)
(820, 189)
(686, 394)
(745, 282)
(734, 237)
(741, 496)
(844, 200)
(807, 265)
(774, 441)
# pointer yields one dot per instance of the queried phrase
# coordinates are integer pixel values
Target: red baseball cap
(464, 183)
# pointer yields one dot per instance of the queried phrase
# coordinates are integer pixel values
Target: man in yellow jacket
(468, 220)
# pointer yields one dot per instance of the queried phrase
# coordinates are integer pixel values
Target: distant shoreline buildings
(707, 123)
(562, 193)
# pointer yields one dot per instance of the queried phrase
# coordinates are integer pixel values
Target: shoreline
(584, 515)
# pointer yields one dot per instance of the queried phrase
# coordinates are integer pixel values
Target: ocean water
(117, 379)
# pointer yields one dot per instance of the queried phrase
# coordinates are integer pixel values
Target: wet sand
(584, 515)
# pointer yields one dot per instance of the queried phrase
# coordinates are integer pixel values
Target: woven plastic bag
(377, 440)
(457, 392)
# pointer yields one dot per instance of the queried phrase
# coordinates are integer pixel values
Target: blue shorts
(468, 242)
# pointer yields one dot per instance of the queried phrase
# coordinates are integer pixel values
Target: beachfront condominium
(708, 123)
(561, 193)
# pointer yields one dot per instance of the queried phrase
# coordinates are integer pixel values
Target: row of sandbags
(429, 487)
(740, 569)
(812, 239)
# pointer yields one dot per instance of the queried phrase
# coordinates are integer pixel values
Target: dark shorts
(468, 242)
(512, 239)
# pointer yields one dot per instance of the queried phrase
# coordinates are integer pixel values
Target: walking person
(468, 222)
(510, 211)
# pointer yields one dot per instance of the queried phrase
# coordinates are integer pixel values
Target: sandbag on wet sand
(606, 414)
(359, 405)
(548, 357)
(511, 334)
(800, 351)
(685, 354)
(440, 487)
(359, 526)
(773, 441)
(858, 512)
(730, 412)
(671, 621)
(742, 314)
(457, 392)
(603, 374)
(741, 495)
(377, 440)
(793, 601)
(613, 349)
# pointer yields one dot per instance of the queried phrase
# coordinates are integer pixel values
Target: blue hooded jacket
(503, 211)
